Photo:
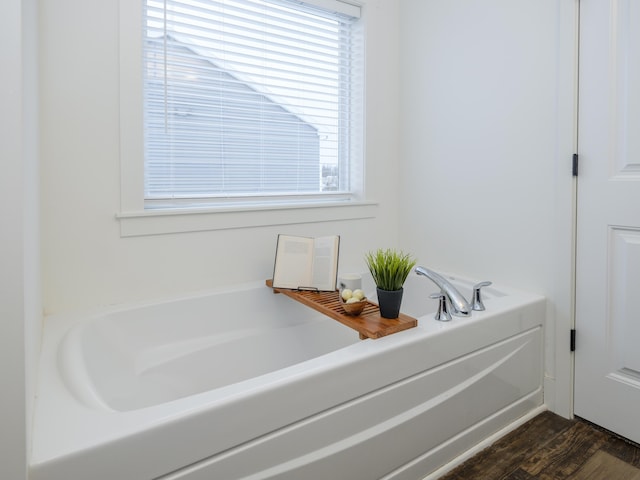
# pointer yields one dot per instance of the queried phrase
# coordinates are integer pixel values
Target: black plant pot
(389, 302)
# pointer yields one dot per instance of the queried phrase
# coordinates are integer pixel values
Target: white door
(607, 368)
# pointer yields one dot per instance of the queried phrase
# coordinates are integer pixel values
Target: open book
(306, 263)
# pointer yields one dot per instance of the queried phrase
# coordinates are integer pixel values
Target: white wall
(20, 310)
(85, 261)
(31, 195)
(487, 138)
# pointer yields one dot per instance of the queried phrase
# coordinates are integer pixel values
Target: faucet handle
(476, 298)
(442, 315)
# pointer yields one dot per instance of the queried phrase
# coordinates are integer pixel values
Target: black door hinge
(572, 340)
(574, 169)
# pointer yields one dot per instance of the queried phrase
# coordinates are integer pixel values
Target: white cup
(352, 281)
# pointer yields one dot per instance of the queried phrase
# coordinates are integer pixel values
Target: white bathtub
(245, 384)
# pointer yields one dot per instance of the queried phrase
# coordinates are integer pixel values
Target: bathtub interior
(149, 355)
(140, 357)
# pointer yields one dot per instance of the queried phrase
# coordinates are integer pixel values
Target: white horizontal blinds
(246, 98)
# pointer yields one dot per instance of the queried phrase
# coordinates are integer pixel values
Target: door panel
(623, 300)
(607, 370)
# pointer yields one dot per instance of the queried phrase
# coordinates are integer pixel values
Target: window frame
(136, 218)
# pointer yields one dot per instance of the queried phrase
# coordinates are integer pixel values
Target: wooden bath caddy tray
(369, 323)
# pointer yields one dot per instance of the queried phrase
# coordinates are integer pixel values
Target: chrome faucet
(459, 305)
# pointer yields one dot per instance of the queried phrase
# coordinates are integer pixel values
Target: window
(251, 102)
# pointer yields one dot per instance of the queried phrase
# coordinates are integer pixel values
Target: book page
(325, 262)
(293, 265)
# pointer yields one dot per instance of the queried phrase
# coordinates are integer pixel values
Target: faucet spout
(459, 305)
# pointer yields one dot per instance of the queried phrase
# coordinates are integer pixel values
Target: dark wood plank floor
(550, 447)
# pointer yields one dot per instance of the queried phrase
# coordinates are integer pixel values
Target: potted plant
(389, 268)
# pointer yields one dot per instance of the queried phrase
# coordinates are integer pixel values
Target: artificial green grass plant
(389, 268)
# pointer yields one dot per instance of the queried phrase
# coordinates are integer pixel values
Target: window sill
(164, 221)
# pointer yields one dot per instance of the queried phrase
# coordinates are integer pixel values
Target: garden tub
(241, 383)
